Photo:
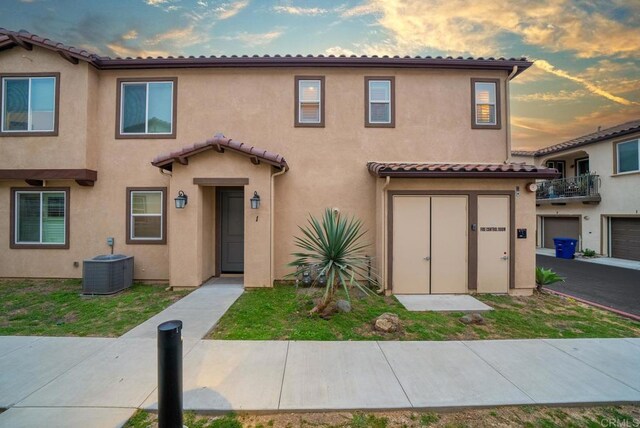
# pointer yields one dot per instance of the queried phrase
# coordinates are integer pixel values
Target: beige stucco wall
(619, 192)
(255, 106)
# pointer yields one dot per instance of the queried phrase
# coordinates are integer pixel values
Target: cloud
(546, 66)
(254, 39)
(177, 37)
(166, 5)
(228, 10)
(547, 97)
(339, 50)
(531, 133)
(477, 28)
(123, 51)
(130, 35)
(305, 11)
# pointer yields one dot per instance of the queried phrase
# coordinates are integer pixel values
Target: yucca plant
(334, 245)
(546, 277)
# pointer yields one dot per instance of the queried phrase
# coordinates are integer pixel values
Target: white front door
(411, 244)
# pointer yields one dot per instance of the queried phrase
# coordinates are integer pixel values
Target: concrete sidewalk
(82, 375)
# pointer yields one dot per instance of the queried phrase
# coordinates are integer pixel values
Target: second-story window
(146, 109)
(485, 103)
(379, 102)
(29, 104)
(309, 101)
(628, 156)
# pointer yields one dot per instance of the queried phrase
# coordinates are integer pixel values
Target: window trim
(392, 102)
(296, 102)
(474, 124)
(56, 106)
(616, 157)
(40, 246)
(174, 107)
(129, 217)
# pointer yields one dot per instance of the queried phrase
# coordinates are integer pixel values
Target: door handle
(505, 257)
(427, 258)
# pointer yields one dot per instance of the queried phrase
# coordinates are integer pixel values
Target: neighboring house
(597, 199)
(94, 147)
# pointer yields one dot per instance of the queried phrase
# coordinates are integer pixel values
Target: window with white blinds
(486, 110)
(146, 215)
(379, 101)
(309, 101)
(40, 217)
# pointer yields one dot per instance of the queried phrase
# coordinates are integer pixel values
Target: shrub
(587, 252)
(546, 277)
(334, 246)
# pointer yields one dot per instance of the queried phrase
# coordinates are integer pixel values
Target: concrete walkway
(442, 303)
(100, 382)
(199, 311)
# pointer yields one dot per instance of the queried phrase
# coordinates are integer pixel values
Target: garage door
(430, 244)
(559, 227)
(625, 238)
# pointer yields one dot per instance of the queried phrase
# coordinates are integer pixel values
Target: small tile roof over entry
(459, 170)
(220, 144)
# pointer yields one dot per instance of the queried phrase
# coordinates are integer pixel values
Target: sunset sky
(587, 70)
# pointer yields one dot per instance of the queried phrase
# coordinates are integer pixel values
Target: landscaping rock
(474, 318)
(343, 306)
(387, 323)
(331, 309)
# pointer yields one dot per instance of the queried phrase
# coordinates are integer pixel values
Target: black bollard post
(170, 374)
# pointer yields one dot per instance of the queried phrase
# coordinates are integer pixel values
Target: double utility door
(450, 244)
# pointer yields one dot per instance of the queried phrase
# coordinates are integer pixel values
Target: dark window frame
(563, 173)
(56, 115)
(13, 218)
(474, 124)
(392, 101)
(163, 226)
(174, 115)
(296, 101)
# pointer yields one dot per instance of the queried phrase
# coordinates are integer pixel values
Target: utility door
(411, 258)
(493, 243)
(231, 230)
(449, 244)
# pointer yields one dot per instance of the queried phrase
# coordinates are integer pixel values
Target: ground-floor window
(40, 218)
(146, 220)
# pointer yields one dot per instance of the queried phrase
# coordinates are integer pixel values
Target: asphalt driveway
(610, 286)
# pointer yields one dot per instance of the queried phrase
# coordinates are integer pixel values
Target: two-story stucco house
(596, 200)
(168, 156)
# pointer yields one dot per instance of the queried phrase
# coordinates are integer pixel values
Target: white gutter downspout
(272, 258)
(507, 114)
(384, 209)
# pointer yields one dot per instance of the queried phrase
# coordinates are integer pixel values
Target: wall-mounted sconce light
(255, 201)
(181, 200)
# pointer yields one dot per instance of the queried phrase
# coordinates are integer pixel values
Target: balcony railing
(583, 188)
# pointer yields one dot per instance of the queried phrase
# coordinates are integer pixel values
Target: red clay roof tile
(220, 143)
(451, 170)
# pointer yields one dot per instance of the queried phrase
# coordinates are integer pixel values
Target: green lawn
(516, 416)
(281, 313)
(57, 308)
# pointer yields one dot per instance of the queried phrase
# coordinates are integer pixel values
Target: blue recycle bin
(565, 247)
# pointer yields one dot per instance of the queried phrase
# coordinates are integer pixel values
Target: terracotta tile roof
(459, 170)
(9, 39)
(601, 135)
(220, 144)
(523, 153)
